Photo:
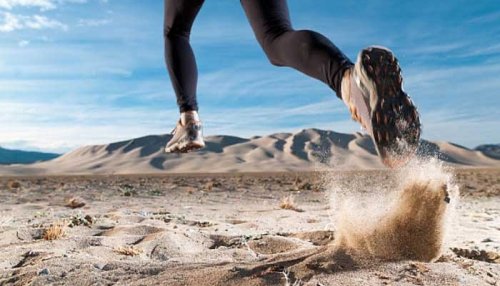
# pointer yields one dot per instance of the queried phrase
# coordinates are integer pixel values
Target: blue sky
(75, 72)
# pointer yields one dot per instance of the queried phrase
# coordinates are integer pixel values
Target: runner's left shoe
(186, 138)
(373, 91)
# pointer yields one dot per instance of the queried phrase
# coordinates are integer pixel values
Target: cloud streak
(42, 4)
(93, 22)
(12, 22)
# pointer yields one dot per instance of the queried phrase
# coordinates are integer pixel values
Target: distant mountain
(308, 149)
(8, 157)
(491, 150)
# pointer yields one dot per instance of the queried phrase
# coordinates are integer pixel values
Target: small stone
(27, 234)
(487, 240)
(44, 271)
(75, 202)
(24, 234)
(90, 219)
(100, 266)
(108, 267)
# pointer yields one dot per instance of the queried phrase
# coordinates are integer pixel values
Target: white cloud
(42, 4)
(73, 1)
(485, 18)
(23, 43)
(12, 22)
(93, 22)
(38, 22)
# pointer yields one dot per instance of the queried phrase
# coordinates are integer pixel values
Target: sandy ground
(222, 230)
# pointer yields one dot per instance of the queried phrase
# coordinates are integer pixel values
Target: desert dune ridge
(306, 150)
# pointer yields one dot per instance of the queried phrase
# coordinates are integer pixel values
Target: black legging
(303, 50)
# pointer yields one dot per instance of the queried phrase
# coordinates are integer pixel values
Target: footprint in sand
(274, 245)
(141, 230)
(317, 238)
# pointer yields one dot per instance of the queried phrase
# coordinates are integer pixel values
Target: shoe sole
(394, 118)
(185, 148)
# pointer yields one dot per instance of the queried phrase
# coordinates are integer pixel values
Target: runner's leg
(304, 50)
(372, 89)
(179, 56)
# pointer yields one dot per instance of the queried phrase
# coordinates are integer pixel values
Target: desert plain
(227, 229)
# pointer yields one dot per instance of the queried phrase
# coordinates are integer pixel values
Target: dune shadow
(429, 149)
(157, 162)
(147, 145)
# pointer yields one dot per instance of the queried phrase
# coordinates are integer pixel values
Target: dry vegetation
(288, 203)
(54, 232)
(13, 184)
(128, 250)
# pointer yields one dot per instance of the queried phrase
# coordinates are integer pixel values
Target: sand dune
(308, 149)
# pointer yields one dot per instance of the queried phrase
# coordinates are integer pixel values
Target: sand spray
(401, 215)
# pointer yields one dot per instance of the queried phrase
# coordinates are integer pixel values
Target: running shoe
(186, 138)
(373, 91)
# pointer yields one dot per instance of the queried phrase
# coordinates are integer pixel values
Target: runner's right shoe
(373, 91)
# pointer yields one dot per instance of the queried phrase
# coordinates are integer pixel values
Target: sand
(405, 219)
(229, 229)
(305, 150)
